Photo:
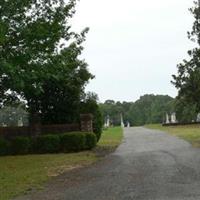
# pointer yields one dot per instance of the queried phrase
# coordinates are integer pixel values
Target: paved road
(149, 165)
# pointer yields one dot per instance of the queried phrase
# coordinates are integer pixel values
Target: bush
(46, 144)
(20, 145)
(98, 124)
(74, 141)
(91, 140)
(4, 147)
(69, 142)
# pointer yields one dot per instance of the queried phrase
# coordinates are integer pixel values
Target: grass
(191, 133)
(110, 140)
(111, 137)
(21, 174)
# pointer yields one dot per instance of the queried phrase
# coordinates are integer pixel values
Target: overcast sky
(133, 46)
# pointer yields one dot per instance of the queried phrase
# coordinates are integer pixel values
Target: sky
(133, 46)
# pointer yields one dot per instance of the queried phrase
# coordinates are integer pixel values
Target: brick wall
(37, 129)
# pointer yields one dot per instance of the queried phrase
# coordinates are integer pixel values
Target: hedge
(20, 145)
(69, 142)
(46, 144)
(75, 141)
(91, 141)
(4, 147)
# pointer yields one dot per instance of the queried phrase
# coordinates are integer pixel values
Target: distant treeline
(148, 109)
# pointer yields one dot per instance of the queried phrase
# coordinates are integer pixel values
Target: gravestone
(107, 122)
(173, 118)
(4, 125)
(20, 122)
(167, 119)
(122, 121)
(198, 117)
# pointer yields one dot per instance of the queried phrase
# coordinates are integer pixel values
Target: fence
(38, 129)
(182, 124)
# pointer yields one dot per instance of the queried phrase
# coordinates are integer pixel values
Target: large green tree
(39, 57)
(187, 81)
(186, 112)
(148, 109)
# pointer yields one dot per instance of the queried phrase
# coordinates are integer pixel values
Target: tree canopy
(148, 109)
(39, 58)
(187, 80)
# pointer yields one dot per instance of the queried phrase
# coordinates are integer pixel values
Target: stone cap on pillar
(86, 117)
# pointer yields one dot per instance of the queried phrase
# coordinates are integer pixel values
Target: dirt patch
(102, 151)
(53, 172)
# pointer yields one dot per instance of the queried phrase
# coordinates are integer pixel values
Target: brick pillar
(35, 125)
(86, 122)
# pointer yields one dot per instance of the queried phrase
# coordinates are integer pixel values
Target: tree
(148, 109)
(113, 110)
(39, 57)
(186, 112)
(187, 81)
(64, 93)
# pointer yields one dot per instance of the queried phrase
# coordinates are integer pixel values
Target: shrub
(46, 144)
(4, 147)
(20, 145)
(33, 145)
(91, 140)
(98, 124)
(74, 141)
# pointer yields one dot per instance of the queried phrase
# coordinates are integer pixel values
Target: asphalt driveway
(148, 165)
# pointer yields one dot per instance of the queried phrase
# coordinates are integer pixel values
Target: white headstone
(20, 122)
(105, 123)
(173, 118)
(4, 125)
(108, 121)
(128, 125)
(167, 119)
(198, 117)
(122, 121)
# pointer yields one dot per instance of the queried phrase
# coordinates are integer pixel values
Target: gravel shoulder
(148, 165)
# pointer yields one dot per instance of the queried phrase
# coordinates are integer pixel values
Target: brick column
(86, 122)
(35, 125)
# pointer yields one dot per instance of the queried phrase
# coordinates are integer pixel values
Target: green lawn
(20, 174)
(110, 140)
(191, 133)
(111, 137)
